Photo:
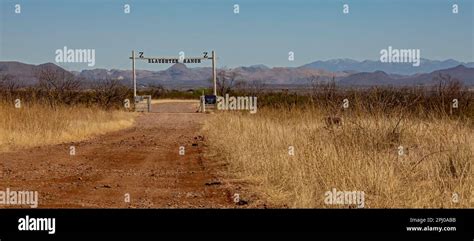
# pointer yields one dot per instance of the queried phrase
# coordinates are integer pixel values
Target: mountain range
(344, 71)
(26, 73)
(460, 72)
(426, 66)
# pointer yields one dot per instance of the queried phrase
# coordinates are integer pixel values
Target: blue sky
(262, 33)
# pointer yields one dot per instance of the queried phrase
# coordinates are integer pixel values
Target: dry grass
(35, 124)
(360, 155)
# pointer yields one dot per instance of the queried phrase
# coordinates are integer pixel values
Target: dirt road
(142, 161)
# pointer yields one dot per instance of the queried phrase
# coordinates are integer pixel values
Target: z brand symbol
(140, 55)
(205, 55)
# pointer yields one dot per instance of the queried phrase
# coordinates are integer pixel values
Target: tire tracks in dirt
(142, 161)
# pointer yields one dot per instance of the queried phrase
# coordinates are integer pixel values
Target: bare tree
(447, 85)
(110, 93)
(324, 91)
(9, 86)
(227, 79)
(447, 89)
(58, 86)
(9, 82)
(256, 87)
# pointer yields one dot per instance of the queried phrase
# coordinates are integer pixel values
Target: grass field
(363, 154)
(35, 124)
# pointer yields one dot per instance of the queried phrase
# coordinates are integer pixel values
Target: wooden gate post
(134, 75)
(214, 77)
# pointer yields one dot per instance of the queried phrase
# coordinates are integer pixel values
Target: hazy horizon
(219, 67)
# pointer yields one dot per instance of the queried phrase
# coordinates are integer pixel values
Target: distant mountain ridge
(426, 66)
(26, 72)
(460, 72)
(178, 75)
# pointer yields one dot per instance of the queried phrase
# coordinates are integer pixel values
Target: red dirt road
(142, 161)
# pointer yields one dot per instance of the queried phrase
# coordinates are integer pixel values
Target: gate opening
(143, 103)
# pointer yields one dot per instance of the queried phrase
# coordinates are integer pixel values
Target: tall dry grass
(38, 124)
(361, 155)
